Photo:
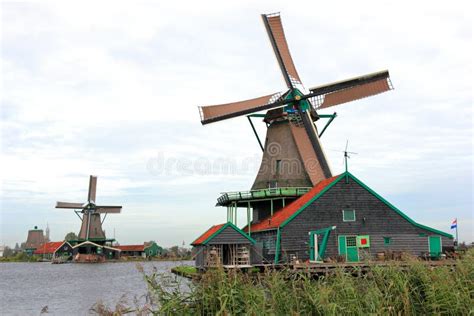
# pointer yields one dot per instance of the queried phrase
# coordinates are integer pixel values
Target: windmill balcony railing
(227, 197)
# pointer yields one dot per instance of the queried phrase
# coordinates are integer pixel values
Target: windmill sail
(92, 189)
(68, 205)
(108, 209)
(214, 113)
(277, 38)
(351, 89)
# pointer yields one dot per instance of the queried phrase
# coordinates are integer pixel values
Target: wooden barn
(340, 218)
(224, 245)
(54, 249)
(91, 252)
(145, 250)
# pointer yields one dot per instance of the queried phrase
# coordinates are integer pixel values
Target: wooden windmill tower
(91, 227)
(293, 158)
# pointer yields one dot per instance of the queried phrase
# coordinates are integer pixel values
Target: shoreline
(108, 261)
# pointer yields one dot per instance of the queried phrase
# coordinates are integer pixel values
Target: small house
(224, 245)
(152, 249)
(132, 250)
(146, 250)
(89, 251)
(340, 218)
(54, 249)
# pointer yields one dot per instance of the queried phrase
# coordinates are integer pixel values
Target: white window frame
(343, 217)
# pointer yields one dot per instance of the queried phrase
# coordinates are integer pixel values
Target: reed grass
(415, 289)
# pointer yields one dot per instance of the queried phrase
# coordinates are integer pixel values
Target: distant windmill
(91, 227)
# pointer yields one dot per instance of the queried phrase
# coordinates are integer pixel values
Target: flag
(454, 224)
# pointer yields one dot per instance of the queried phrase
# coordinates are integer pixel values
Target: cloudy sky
(112, 89)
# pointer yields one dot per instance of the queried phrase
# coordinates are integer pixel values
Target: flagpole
(457, 238)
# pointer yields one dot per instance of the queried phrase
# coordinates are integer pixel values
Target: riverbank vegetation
(20, 257)
(185, 271)
(388, 290)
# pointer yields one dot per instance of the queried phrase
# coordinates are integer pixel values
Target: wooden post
(271, 207)
(235, 205)
(248, 217)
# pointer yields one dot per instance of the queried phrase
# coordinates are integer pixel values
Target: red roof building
(208, 233)
(131, 248)
(280, 216)
(48, 248)
(340, 218)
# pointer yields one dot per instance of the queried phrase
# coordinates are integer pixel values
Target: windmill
(91, 227)
(292, 136)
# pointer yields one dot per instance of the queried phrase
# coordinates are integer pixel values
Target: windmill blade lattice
(214, 113)
(351, 89)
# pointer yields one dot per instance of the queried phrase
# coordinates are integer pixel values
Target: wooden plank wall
(228, 236)
(373, 218)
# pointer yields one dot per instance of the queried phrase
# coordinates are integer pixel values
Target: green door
(434, 246)
(348, 248)
(342, 246)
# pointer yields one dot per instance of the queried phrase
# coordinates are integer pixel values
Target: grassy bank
(185, 271)
(390, 290)
(20, 257)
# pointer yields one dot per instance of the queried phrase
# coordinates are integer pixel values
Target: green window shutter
(348, 216)
(387, 241)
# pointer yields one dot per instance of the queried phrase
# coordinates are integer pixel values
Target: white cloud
(103, 88)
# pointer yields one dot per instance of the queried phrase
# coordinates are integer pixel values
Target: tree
(70, 236)
(8, 252)
(174, 251)
(17, 247)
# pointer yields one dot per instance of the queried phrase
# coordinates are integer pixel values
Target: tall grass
(415, 289)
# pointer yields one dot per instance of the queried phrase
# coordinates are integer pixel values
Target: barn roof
(88, 242)
(48, 248)
(281, 217)
(215, 230)
(131, 247)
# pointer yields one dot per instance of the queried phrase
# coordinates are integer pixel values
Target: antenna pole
(345, 159)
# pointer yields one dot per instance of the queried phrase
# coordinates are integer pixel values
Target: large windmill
(292, 155)
(91, 227)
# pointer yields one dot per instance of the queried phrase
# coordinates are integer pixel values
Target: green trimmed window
(348, 215)
(387, 241)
